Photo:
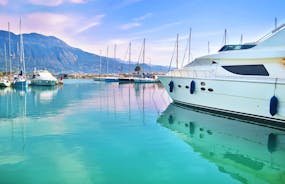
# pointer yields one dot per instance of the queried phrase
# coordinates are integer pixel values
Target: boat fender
(192, 87)
(171, 86)
(273, 105)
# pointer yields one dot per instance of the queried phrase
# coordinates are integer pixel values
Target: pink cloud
(3, 2)
(55, 2)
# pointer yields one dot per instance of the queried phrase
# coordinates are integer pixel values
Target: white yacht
(43, 78)
(246, 79)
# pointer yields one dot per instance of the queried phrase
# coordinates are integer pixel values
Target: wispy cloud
(130, 25)
(55, 2)
(3, 2)
(143, 17)
(91, 23)
(159, 28)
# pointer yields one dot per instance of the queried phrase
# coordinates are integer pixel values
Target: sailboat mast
(22, 56)
(143, 50)
(100, 64)
(130, 52)
(189, 51)
(5, 57)
(107, 69)
(115, 49)
(9, 48)
(177, 50)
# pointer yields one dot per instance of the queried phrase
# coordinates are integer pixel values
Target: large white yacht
(43, 78)
(247, 79)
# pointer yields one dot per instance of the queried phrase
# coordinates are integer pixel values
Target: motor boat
(244, 80)
(43, 78)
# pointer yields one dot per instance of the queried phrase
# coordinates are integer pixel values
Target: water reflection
(247, 152)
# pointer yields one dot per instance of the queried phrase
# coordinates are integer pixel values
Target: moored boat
(43, 78)
(5, 82)
(246, 79)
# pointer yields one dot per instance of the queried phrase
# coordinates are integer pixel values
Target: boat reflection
(21, 103)
(247, 152)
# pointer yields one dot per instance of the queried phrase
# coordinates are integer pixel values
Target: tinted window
(236, 47)
(247, 69)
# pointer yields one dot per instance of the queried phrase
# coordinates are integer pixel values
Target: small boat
(43, 78)
(244, 79)
(146, 80)
(112, 79)
(20, 81)
(5, 82)
(123, 80)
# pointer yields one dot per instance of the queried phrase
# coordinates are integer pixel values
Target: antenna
(241, 38)
(208, 47)
(275, 21)
(226, 32)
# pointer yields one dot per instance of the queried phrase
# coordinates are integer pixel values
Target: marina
(123, 92)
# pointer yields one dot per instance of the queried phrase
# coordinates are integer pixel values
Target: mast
(189, 51)
(100, 64)
(107, 69)
(143, 50)
(241, 38)
(115, 48)
(9, 48)
(22, 56)
(130, 51)
(275, 22)
(177, 50)
(5, 58)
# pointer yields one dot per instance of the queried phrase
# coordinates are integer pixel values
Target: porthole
(203, 89)
(179, 85)
(187, 87)
(203, 83)
(210, 89)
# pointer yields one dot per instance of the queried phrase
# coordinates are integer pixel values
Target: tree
(138, 68)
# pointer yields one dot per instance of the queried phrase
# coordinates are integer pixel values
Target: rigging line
(140, 55)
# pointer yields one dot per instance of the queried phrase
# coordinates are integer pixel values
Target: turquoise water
(88, 132)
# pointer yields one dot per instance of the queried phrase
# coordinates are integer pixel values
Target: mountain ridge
(52, 53)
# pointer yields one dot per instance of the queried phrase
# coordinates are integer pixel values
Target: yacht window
(236, 47)
(247, 69)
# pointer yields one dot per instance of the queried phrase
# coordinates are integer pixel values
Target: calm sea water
(87, 132)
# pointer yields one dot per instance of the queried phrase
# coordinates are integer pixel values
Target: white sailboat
(245, 79)
(4, 81)
(20, 80)
(145, 78)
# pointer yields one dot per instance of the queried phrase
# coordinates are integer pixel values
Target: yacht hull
(249, 98)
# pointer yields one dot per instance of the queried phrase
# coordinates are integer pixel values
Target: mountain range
(49, 52)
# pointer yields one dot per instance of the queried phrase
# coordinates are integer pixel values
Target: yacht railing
(270, 33)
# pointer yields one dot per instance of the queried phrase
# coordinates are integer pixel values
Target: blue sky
(94, 25)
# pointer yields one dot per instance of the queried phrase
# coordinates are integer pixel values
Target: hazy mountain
(48, 52)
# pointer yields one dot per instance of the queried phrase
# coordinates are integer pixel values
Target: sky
(97, 25)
